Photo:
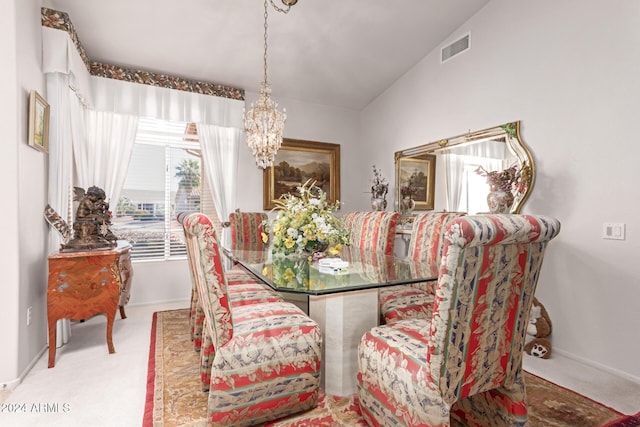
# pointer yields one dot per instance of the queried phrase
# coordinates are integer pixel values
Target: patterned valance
(60, 21)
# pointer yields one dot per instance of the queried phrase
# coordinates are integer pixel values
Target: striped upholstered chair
(246, 230)
(373, 231)
(265, 357)
(427, 240)
(465, 362)
(244, 289)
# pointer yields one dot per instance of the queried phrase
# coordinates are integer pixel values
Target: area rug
(174, 396)
(626, 421)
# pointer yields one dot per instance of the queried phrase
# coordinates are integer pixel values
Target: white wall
(9, 214)
(569, 71)
(160, 281)
(24, 170)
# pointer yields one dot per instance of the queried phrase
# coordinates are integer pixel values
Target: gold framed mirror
(464, 162)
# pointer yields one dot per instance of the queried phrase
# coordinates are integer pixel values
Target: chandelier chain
(263, 123)
(266, 15)
(288, 4)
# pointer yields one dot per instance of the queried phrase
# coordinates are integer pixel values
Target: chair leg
(207, 352)
(197, 328)
(192, 312)
(504, 406)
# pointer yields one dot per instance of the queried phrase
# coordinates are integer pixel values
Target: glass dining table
(340, 294)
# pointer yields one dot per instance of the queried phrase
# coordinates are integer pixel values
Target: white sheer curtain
(63, 102)
(220, 147)
(102, 155)
(488, 154)
(488, 149)
(165, 104)
(453, 170)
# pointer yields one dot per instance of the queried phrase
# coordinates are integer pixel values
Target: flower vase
(407, 204)
(499, 201)
(378, 203)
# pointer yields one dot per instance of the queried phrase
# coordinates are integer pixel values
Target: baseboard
(597, 365)
(147, 303)
(11, 385)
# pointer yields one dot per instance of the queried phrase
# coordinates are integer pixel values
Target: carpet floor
(174, 396)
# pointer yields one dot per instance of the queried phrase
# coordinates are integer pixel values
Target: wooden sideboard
(83, 284)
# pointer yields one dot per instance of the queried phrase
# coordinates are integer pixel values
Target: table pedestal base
(343, 319)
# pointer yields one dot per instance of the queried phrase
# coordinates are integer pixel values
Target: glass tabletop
(365, 270)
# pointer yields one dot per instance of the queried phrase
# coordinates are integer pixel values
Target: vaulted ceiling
(339, 53)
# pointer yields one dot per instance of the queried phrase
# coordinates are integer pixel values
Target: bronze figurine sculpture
(92, 222)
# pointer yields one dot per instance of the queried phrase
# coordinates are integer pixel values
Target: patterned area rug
(174, 396)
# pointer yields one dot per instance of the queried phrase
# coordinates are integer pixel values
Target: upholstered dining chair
(244, 289)
(266, 363)
(427, 241)
(464, 362)
(246, 230)
(373, 231)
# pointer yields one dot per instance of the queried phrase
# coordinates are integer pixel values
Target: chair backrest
(373, 231)
(246, 230)
(210, 277)
(189, 244)
(485, 289)
(427, 235)
(372, 265)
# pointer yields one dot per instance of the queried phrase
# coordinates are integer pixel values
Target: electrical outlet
(29, 312)
(613, 230)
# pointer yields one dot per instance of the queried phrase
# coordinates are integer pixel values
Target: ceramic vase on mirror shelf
(407, 204)
(499, 201)
(378, 204)
(501, 183)
(379, 191)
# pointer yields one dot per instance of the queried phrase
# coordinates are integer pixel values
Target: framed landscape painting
(38, 122)
(421, 172)
(298, 161)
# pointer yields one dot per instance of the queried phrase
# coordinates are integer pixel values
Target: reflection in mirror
(462, 163)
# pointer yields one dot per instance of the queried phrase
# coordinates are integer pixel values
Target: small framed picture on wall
(38, 122)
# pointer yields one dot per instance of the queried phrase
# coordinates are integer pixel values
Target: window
(164, 178)
(473, 197)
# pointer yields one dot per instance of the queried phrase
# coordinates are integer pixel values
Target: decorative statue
(93, 219)
(379, 191)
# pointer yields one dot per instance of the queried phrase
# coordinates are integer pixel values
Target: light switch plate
(613, 230)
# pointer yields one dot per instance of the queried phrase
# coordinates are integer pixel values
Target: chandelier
(263, 123)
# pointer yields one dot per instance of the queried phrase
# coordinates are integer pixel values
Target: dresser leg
(122, 314)
(110, 319)
(52, 343)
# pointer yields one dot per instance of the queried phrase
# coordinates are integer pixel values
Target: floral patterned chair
(373, 231)
(266, 363)
(465, 362)
(244, 289)
(427, 241)
(246, 230)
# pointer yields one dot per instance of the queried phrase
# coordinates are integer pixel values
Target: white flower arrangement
(306, 223)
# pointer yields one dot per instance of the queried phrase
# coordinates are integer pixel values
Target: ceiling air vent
(455, 48)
